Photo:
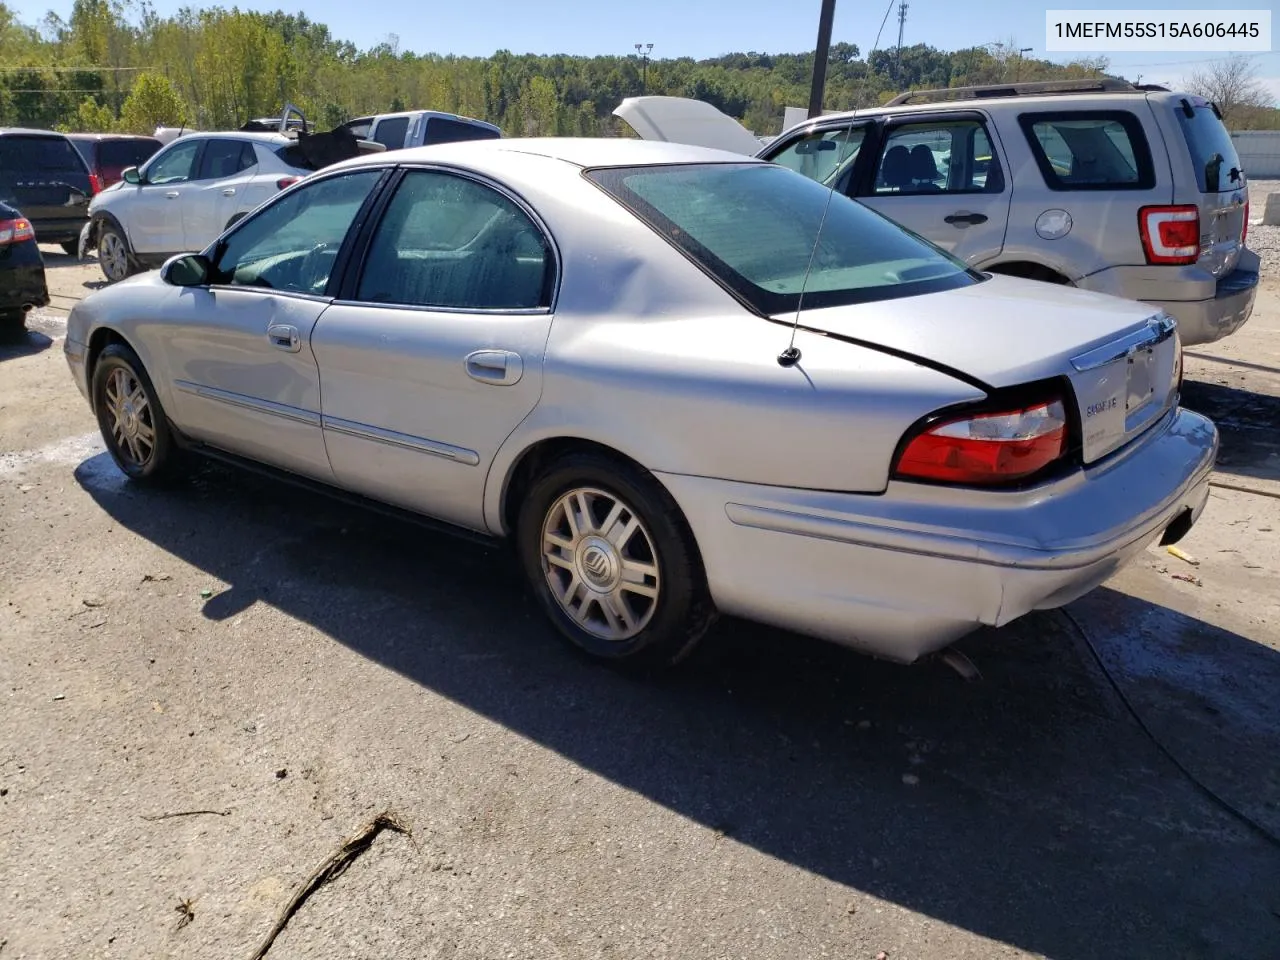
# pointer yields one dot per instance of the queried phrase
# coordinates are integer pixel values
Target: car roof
(31, 131)
(1050, 100)
(110, 136)
(578, 151)
(274, 139)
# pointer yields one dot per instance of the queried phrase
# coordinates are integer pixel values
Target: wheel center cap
(129, 419)
(598, 564)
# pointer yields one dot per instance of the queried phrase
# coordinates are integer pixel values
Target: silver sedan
(632, 360)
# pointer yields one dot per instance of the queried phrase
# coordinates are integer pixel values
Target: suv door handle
(965, 218)
(229, 192)
(500, 367)
(284, 336)
(171, 195)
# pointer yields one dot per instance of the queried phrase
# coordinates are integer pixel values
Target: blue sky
(702, 28)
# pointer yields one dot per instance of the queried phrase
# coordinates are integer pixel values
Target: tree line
(118, 65)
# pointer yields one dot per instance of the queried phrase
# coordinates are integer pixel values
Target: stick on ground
(333, 867)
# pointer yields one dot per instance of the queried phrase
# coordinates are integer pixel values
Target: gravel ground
(1264, 241)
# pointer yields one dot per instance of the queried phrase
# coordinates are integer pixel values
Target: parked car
(1107, 186)
(628, 358)
(22, 280)
(420, 128)
(185, 195)
(44, 176)
(107, 155)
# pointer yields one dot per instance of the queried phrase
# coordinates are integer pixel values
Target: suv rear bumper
(58, 231)
(1200, 319)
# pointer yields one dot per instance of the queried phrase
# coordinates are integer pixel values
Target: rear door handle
(229, 192)
(171, 195)
(284, 336)
(966, 218)
(500, 367)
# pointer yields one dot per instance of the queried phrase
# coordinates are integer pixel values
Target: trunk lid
(684, 120)
(1121, 361)
(1221, 183)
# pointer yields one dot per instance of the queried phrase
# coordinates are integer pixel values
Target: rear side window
(390, 133)
(226, 158)
(1090, 150)
(1212, 153)
(46, 155)
(126, 153)
(440, 130)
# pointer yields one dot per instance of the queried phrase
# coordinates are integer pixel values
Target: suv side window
(293, 244)
(818, 155)
(391, 133)
(951, 156)
(446, 241)
(175, 165)
(1090, 150)
(226, 158)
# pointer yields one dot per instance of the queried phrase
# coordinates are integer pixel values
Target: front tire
(113, 254)
(132, 422)
(613, 563)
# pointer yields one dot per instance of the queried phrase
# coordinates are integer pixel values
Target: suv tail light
(987, 448)
(95, 184)
(286, 182)
(1170, 234)
(15, 231)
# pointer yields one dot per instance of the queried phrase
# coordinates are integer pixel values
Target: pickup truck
(418, 128)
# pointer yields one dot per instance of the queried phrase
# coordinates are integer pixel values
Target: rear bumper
(59, 231)
(908, 572)
(1211, 308)
(22, 285)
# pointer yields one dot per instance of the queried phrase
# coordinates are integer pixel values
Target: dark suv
(44, 176)
(108, 155)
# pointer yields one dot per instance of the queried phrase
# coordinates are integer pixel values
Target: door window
(390, 133)
(446, 241)
(954, 156)
(824, 155)
(175, 165)
(293, 243)
(226, 158)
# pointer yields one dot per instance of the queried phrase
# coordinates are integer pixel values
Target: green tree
(93, 117)
(152, 103)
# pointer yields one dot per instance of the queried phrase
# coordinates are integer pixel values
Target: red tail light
(987, 448)
(286, 182)
(1170, 234)
(95, 184)
(15, 231)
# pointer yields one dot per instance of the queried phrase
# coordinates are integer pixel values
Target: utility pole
(902, 24)
(820, 55)
(642, 51)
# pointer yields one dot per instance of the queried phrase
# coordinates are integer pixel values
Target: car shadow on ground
(1248, 423)
(20, 342)
(1027, 807)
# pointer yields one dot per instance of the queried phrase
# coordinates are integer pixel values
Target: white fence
(1259, 152)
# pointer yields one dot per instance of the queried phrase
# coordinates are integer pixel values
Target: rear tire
(113, 254)
(13, 321)
(613, 563)
(133, 424)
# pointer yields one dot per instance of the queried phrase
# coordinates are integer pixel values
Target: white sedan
(631, 359)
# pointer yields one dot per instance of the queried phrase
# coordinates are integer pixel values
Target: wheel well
(1029, 270)
(533, 460)
(99, 340)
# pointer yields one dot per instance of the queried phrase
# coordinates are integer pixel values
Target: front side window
(1093, 150)
(753, 227)
(954, 156)
(226, 158)
(293, 243)
(175, 165)
(823, 155)
(446, 241)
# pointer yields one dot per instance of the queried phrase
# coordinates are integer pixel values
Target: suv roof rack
(1031, 89)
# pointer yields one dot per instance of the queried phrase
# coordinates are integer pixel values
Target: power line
(89, 69)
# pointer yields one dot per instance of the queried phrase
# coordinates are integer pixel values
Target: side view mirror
(187, 270)
(131, 175)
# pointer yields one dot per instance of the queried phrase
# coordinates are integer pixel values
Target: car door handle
(500, 367)
(229, 192)
(965, 218)
(171, 195)
(283, 336)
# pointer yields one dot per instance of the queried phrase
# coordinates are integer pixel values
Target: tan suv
(1132, 191)
(1127, 190)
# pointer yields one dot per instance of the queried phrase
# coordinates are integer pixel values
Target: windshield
(1212, 152)
(752, 226)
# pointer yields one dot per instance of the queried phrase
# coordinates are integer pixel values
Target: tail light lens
(95, 184)
(15, 231)
(987, 448)
(286, 182)
(1170, 234)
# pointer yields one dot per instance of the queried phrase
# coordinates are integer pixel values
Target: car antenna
(791, 355)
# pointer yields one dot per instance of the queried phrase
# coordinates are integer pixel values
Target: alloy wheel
(130, 418)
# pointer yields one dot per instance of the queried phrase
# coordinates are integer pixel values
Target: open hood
(684, 120)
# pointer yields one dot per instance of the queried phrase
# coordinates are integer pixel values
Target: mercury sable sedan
(633, 360)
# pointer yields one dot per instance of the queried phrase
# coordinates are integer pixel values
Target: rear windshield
(752, 226)
(126, 153)
(1212, 153)
(42, 154)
